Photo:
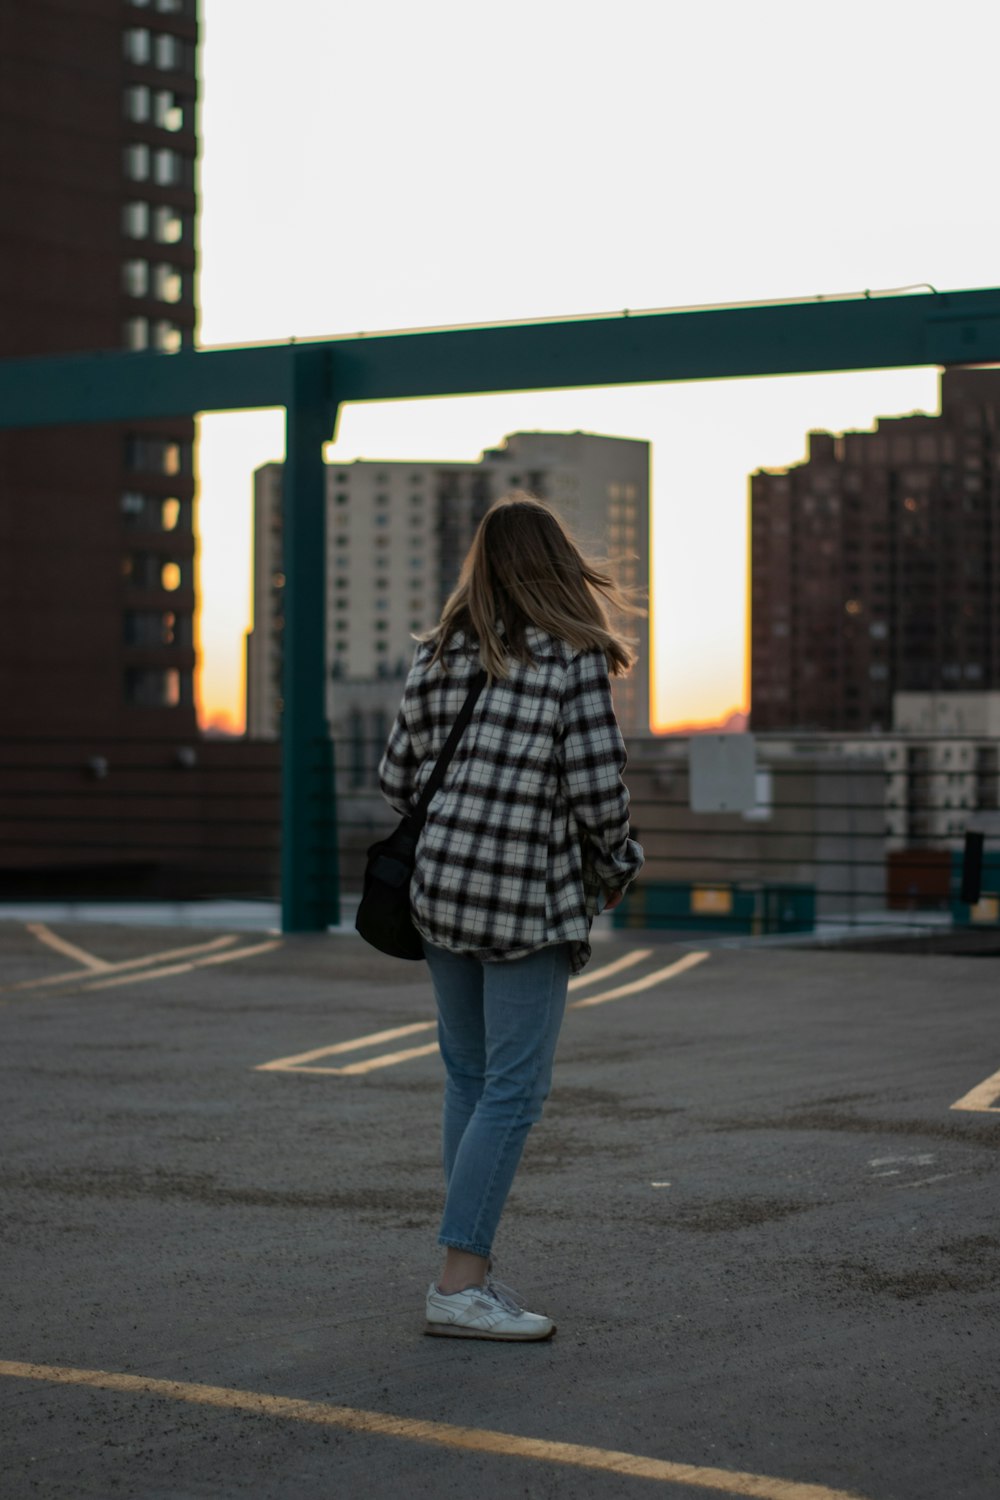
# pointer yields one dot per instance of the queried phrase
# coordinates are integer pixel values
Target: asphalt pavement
(770, 1241)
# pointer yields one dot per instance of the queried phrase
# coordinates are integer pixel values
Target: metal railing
(879, 834)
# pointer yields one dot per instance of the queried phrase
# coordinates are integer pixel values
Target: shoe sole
(456, 1331)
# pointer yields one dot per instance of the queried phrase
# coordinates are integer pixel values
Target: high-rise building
(97, 238)
(396, 536)
(875, 566)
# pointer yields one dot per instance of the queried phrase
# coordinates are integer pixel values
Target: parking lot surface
(768, 1236)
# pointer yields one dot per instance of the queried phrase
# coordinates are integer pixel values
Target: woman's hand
(612, 899)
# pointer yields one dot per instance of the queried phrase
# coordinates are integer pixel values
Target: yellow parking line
(384, 1060)
(198, 963)
(300, 1063)
(441, 1434)
(287, 1064)
(128, 963)
(646, 982)
(984, 1098)
(593, 976)
(52, 939)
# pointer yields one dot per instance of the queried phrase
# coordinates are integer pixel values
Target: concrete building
(818, 828)
(876, 566)
(396, 536)
(867, 822)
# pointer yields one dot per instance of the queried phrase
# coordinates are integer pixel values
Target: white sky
(385, 164)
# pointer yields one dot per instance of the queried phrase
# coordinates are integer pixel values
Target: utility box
(722, 773)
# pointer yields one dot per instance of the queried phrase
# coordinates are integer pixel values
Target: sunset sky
(388, 165)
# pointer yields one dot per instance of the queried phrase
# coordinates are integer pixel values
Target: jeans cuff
(483, 1250)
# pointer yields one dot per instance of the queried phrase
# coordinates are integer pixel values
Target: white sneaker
(483, 1312)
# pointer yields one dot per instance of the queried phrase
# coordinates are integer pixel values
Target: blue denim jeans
(498, 1024)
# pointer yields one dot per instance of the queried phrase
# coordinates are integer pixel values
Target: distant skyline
(662, 159)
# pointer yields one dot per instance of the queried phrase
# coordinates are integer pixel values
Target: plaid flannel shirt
(531, 824)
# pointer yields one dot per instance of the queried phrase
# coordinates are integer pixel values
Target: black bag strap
(419, 814)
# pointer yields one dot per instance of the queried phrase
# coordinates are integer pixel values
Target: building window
(171, 577)
(138, 45)
(133, 507)
(168, 285)
(137, 161)
(157, 688)
(167, 167)
(137, 103)
(168, 52)
(135, 220)
(168, 225)
(169, 109)
(136, 333)
(135, 278)
(167, 336)
(139, 569)
(149, 512)
(156, 455)
(152, 628)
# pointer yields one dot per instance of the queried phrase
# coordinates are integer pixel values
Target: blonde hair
(524, 569)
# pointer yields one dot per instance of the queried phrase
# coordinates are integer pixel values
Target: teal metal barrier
(684, 906)
(986, 911)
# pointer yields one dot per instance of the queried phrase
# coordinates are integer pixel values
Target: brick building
(97, 167)
(875, 566)
(104, 785)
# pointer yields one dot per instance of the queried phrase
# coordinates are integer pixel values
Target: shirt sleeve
(397, 771)
(591, 761)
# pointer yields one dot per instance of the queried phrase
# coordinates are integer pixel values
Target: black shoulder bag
(383, 917)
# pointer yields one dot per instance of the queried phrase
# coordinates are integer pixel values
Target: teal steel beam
(53, 391)
(786, 338)
(701, 344)
(310, 886)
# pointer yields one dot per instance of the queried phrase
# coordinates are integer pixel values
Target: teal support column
(310, 885)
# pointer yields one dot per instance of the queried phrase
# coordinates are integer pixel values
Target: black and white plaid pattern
(532, 821)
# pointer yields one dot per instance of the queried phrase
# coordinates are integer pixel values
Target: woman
(523, 845)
